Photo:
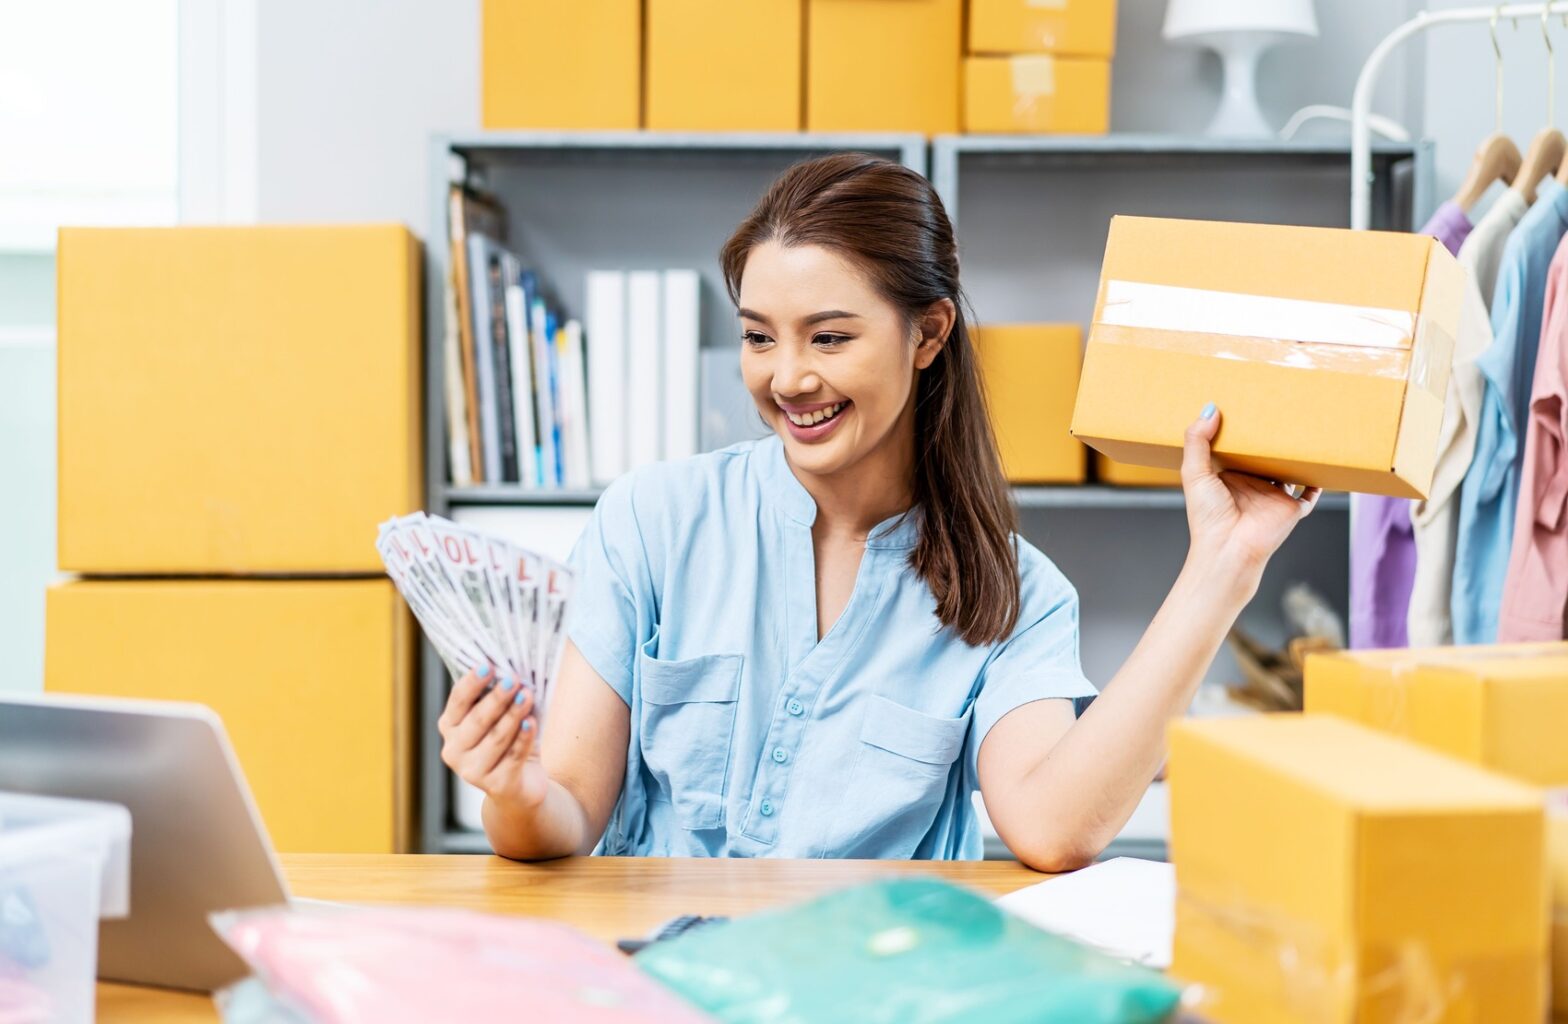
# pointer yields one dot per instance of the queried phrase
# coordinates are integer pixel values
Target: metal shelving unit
(625, 198)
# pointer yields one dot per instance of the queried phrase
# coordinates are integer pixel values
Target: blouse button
(766, 808)
(779, 755)
(796, 707)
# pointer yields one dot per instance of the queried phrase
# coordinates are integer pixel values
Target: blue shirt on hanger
(695, 599)
(1491, 486)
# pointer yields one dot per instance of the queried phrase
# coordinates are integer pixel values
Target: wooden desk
(607, 897)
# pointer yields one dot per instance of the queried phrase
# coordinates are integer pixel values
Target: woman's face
(829, 362)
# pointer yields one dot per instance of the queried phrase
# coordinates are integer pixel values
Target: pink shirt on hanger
(1535, 593)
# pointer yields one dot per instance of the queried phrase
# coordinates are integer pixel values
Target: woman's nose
(794, 373)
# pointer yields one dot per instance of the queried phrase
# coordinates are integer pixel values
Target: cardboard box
(1120, 474)
(1557, 870)
(1503, 707)
(1037, 93)
(313, 681)
(236, 400)
(883, 65)
(1030, 373)
(572, 65)
(1329, 874)
(1079, 28)
(1326, 350)
(695, 79)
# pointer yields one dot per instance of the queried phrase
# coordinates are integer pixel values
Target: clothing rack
(1361, 99)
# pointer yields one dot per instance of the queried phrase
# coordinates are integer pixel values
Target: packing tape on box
(1312, 982)
(1299, 333)
(1034, 78)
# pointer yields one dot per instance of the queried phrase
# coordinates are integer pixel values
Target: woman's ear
(935, 325)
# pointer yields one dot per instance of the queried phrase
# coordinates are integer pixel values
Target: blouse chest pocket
(685, 730)
(902, 776)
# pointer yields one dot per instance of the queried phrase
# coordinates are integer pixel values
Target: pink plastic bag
(350, 965)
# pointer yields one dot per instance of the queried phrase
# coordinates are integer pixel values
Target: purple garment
(1382, 541)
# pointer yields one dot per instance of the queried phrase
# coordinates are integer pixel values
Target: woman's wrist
(1222, 576)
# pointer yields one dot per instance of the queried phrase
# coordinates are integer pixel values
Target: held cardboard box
(883, 65)
(1326, 350)
(1109, 471)
(236, 400)
(1503, 707)
(699, 53)
(546, 64)
(1030, 373)
(1327, 873)
(1080, 28)
(1037, 93)
(313, 681)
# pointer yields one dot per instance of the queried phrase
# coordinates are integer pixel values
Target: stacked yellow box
(1328, 873)
(238, 403)
(883, 65)
(1031, 375)
(547, 64)
(1123, 474)
(1039, 67)
(1501, 706)
(717, 65)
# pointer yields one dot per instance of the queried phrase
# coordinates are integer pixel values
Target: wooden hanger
(1496, 159)
(1543, 159)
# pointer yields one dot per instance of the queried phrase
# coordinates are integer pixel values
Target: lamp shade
(1185, 18)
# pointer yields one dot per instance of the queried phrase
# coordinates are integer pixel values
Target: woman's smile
(814, 422)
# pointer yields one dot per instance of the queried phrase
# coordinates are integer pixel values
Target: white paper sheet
(1125, 907)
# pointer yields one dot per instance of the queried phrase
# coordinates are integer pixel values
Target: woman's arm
(1058, 791)
(543, 799)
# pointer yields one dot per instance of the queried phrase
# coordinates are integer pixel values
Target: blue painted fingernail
(1209, 411)
(484, 672)
(522, 692)
(528, 725)
(506, 684)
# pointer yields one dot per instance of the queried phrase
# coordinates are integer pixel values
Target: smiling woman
(822, 643)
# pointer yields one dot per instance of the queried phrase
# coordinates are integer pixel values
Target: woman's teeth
(811, 418)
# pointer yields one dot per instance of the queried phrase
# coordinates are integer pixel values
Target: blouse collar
(794, 501)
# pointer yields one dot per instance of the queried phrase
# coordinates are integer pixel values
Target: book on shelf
(536, 401)
(468, 211)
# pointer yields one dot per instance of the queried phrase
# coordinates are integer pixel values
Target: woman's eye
(829, 340)
(755, 339)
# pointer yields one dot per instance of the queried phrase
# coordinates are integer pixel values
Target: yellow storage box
(1120, 474)
(1327, 350)
(1036, 93)
(313, 681)
(883, 65)
(1504, 707)
(236, 400)
(718, 65)
(549, 64)
(1031, 374)
(1557, 852)
(1082, 28)
(1331, 874)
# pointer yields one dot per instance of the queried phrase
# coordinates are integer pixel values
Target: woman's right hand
(489, 736)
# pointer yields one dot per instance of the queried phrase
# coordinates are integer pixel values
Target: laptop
(198, 844)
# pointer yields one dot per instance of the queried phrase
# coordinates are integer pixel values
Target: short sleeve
(611, 589)
(1039, 661)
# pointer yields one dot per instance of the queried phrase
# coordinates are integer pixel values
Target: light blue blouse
(695, 598)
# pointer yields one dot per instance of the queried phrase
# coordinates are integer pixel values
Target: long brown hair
(891, 223)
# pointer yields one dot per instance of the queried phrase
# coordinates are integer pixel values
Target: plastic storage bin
(63, 865)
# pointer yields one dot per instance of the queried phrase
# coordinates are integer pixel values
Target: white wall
(348, 95)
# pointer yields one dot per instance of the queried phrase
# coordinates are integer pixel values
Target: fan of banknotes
(482, 600)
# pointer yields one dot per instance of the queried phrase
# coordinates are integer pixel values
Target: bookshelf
(1032, 226)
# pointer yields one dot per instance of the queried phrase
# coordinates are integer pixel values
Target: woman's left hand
(1235, 520)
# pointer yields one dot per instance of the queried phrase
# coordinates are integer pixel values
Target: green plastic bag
(911, 951)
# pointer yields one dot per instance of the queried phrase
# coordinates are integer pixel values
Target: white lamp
(1240, 30)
